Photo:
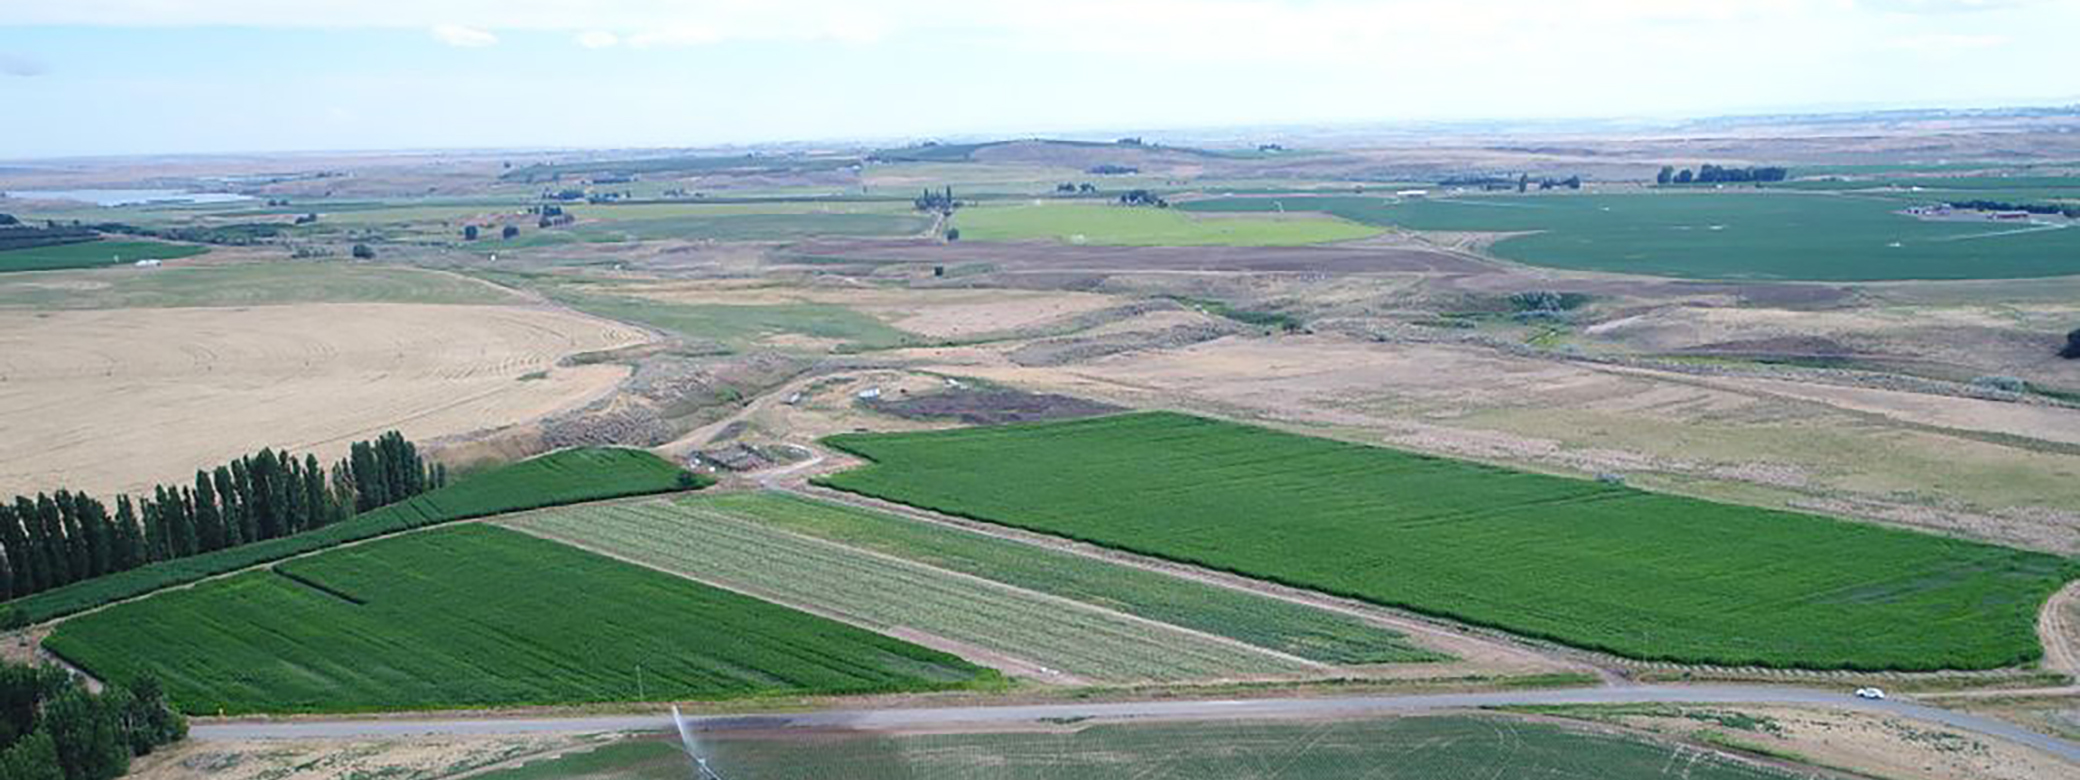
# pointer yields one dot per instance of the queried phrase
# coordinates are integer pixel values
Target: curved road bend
(1183, 710)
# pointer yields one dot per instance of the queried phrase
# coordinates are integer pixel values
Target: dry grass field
(937, 313)
(120, 399)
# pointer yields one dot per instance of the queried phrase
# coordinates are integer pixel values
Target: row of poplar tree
(51, 728)
(58, 539)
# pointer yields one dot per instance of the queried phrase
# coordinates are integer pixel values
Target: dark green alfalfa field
(1598, 566)
(474, 616)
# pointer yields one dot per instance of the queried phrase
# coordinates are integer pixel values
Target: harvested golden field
(111, 400)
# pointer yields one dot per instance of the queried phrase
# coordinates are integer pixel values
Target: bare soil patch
(117, 400)
(1873, 744)
(406, 758)
(2032, 421)
(989, 406)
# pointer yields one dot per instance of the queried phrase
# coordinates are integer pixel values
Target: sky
(94, 77)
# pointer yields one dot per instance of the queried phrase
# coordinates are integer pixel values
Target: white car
(1870, 693)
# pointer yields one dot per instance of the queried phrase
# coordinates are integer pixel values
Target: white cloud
(598, 39)
(465, 37)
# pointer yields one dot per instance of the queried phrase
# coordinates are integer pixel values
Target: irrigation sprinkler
(701, 770)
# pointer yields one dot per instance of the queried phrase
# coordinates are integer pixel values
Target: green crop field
(889, 593)
(1415, 748)
(244, 284)
(1266, 622)
(1718, 235)
(562, 477)
(1143, 226)
(1599, 566)
(480, 616)
(92, 254)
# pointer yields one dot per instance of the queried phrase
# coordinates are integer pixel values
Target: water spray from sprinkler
(701, 770)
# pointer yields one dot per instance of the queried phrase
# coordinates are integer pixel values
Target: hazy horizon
(243, 76)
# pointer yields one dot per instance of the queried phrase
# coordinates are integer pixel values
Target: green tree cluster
(65, 537)
(53, 729)
(941, 201)
(1718, 174)
(2046, 209)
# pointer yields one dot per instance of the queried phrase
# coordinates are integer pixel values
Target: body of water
(127, 197)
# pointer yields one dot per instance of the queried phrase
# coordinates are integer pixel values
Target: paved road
(1247, 708)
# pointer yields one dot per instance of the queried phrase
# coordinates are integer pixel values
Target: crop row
(1605, 567)
(1307, 632)
(480, 616)
(888, 593)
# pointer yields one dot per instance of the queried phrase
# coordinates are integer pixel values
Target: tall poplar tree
(209, 520)
(134, 552)
(232, 513)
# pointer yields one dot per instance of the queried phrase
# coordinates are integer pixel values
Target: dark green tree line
(65, 537)
(1717, 174)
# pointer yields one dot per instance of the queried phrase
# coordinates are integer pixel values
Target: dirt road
(2059, 630)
